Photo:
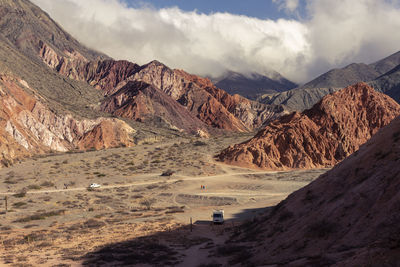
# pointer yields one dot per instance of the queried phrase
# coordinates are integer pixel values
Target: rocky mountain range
(77, 85)
(253, 85)
(347, 217)
(198, 97)
(380, 75)
(322, 136)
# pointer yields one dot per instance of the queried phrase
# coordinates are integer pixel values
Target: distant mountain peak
(252, 85)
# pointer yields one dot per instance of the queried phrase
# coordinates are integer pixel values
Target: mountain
(28, 127)
(305, 96)
(340, 78)
(25, 26)
(139, 100)
(253, 85)
(319, 137)
(388, 63)
(209, 104)
(297, 99)
(41, 111)
(389, 83)
(58, 95)
(347, 217)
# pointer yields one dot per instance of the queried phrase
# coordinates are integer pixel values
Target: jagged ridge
(320, 137)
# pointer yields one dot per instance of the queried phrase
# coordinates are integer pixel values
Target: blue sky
(262, 9)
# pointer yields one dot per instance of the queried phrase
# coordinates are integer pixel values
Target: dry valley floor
(137, 216)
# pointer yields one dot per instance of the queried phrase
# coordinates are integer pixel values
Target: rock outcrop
(319, 137)
(28, 127)
(140, 101)
(347, 217)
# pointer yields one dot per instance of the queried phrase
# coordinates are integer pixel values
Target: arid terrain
(53, 218)
(121, 161)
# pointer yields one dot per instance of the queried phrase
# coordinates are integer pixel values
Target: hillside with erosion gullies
(28, 127)
(211, 105)
(347, 217)
(56, 92)
(42, 112)
(319, 137)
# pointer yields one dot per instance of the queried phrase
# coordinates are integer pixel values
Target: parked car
(94, 185)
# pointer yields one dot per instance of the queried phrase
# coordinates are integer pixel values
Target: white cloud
(288, 5)
(335, 33)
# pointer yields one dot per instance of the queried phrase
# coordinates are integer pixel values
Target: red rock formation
(347, 217)
(28, 127)
(319, 137)
(211, 105)
(107, 134)
(252, 114)
(140, 101)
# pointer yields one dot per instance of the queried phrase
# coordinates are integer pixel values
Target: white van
(218, 216)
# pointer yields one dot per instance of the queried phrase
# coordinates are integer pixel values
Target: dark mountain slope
(384, 65)
(340, 78)
(347, 217)
(25, 25)
(389, 83)
(253, 85)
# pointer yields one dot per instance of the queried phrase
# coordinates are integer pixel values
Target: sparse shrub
(40, 216)
(92, 223)
(10, 181)
(152, 186)
(199, 143)
(99, 174)
(168, 173)
(20, 194)
(148, 202)
(47, 184)
(34, 187)
(19, 204)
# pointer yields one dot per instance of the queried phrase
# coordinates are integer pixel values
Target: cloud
(288, 5)
(334, 33)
